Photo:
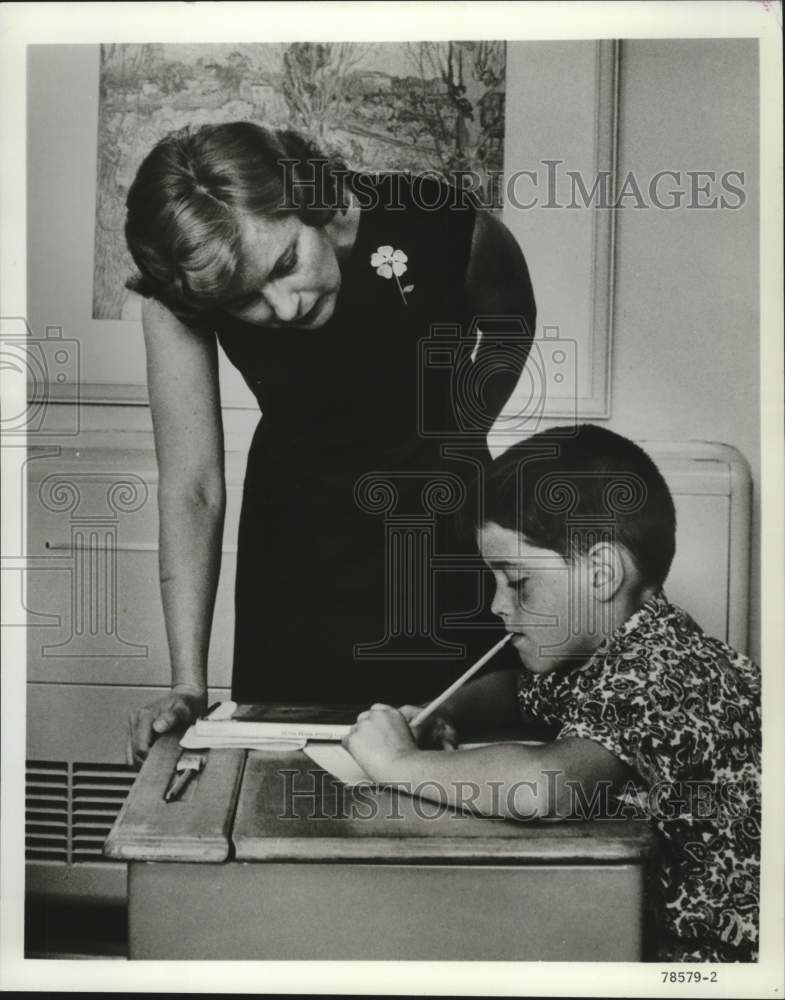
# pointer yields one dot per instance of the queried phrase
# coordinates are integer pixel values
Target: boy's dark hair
(566, 488)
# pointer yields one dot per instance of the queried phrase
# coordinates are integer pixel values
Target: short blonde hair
(187, 199)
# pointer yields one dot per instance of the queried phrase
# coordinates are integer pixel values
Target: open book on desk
(275, 721)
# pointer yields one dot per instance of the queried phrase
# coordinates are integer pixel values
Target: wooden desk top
(262, 806)
(196, 827)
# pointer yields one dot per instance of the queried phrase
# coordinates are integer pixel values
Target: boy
(578, 527)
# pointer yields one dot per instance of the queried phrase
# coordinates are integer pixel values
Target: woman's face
(289, 274)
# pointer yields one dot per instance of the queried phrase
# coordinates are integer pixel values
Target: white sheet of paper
(338, 762)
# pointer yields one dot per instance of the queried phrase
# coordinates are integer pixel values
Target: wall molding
(106, 394)
(598, 402)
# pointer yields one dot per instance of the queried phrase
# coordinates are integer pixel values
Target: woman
(346, 300)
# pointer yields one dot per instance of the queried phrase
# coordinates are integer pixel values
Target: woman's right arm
(182, 376)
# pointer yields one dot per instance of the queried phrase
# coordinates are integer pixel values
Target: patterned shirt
(682, 710)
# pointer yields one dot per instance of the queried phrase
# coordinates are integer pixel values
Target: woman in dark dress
(381, 321)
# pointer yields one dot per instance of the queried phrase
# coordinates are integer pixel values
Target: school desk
(267, 856)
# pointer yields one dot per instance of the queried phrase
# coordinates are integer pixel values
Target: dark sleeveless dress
(357, 575)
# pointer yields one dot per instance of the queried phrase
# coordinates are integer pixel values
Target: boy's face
(543, 599)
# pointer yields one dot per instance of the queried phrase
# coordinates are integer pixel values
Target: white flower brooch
(391, 263)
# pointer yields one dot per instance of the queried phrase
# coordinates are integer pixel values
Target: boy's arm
(508, 780)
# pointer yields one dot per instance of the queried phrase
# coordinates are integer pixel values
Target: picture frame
(576, 305)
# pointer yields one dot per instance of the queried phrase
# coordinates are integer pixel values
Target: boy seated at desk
(578, 528)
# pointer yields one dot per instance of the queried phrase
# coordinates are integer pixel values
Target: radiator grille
(46, 811)
(70, 808)
(98, 792)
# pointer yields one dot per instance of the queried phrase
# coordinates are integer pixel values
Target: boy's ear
(607, 570)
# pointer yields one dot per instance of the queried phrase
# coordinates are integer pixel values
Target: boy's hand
(380, 736)
(437, 732)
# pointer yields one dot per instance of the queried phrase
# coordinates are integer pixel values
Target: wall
(686, 328)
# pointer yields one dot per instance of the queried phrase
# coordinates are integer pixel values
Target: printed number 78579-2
(690, 977)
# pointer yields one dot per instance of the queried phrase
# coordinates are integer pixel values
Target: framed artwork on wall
(529, 125)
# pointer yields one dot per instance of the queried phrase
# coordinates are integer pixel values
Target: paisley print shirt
(682, 710)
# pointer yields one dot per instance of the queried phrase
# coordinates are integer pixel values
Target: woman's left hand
(379, 738)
